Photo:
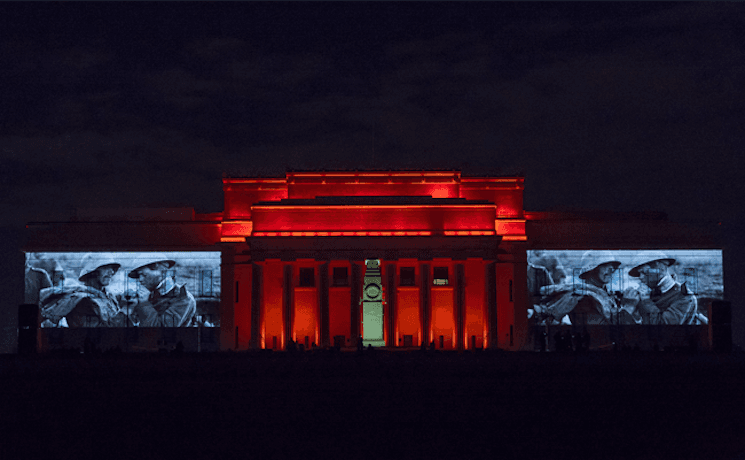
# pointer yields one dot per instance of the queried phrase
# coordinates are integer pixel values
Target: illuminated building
(401, 259)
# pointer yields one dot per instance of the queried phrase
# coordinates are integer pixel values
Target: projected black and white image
(623, 287)
(124, 289)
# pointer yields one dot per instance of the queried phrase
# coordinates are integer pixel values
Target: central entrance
(372, 305)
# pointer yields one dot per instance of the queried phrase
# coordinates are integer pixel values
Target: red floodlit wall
(272, 324)
(305, 317)
(242, 217)
(443, 316)
(475, 313)
(339, 313)
(240, 194)
(408, 321)
(380, 218)
(424, 183)
(505, 192)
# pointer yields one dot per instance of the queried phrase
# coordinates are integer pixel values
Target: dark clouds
(640, 104)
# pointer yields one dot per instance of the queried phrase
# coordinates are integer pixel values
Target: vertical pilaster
(460, 309)
(490, 284)
(391, 299)
(355, 303)
(425, 296)
(287, 302)
(257, 284)
(323, 300)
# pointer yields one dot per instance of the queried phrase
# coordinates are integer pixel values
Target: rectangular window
(307, 277)
(205, 285)
(341, 277)
(408, 276)
(440, 277)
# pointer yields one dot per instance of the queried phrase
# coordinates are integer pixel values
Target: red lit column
(287, 301)
(356, 284)
(390, 307)
(323, 300)
(256, 302)
(425, 313)
(460, 282)
(490, 287)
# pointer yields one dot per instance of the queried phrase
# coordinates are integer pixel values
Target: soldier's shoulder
(38, 272)
(685, 290)
(182, 292)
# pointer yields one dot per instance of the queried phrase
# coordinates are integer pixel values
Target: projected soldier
(169, 304)
(86, 305)
(35, 280)
(588, 303)
(666, 301)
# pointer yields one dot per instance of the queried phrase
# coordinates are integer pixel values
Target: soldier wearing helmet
(169, 304)
(588, 303)
(668, 302)
(86, 305)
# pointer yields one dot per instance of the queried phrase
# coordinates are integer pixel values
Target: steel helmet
(645, 257)
(593, 259)
(135, 273)
(92, 262)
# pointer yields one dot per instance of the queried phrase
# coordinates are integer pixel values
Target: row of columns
(244, 270)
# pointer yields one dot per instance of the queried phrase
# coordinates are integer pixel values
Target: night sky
(627, 107)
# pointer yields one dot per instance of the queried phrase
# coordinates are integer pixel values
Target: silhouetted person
(360, 346)
(432, 346)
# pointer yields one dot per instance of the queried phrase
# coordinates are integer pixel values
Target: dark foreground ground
(393, 405)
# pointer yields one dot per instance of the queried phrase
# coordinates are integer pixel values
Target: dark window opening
(441, 276)
(341, 277)
(307, 277)
(408, 276)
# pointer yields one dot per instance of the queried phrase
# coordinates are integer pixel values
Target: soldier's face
(651, 273)
(605, 273)
(104, 275)
(150, 278)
